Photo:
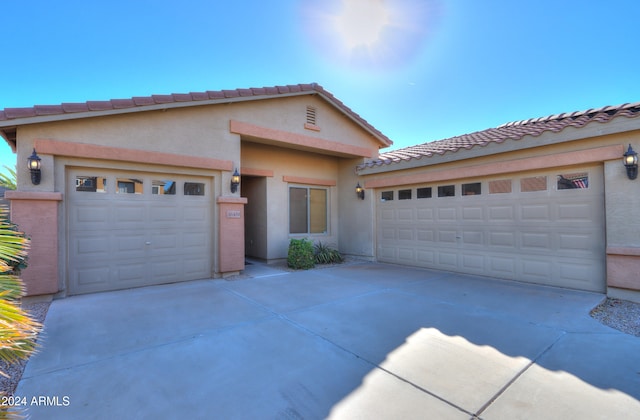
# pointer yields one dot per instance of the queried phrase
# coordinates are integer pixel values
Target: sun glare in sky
(371, 34)
(361, 22)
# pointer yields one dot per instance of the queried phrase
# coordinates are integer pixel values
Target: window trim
(308, 188)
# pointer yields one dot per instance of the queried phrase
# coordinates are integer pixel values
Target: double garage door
(545, 228)
(136, 229)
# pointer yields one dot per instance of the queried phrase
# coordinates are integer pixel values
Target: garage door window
(129, 186)
(424, 192)
(446, 191)
(573, 181)
(404, 195)
(164, 187)
(193, 188)
(472, 189)
(386, 196)
(91, 184)
(500, 186)
(307, 210)
(534, 183)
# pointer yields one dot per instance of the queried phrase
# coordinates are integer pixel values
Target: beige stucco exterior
(270, 137)
(275, 145)
(599, 144)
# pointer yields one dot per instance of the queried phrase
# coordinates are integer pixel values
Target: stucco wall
(357, 217)
(291, 163)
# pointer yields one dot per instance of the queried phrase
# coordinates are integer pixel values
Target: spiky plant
(18, 331)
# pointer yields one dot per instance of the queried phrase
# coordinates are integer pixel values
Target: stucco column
(36, 214)
(231, 228)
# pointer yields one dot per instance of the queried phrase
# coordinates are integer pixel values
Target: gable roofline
(516, 130)
(11, 118)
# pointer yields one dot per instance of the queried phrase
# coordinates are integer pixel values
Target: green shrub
(324, 254)
(300, 254)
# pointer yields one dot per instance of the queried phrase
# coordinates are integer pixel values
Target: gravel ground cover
(619, 314)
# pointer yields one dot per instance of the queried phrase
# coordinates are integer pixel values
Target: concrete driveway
(363, 340)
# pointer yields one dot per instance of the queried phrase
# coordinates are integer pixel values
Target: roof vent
(311, 115)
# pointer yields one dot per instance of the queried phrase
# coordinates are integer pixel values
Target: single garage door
(545, 228)
(136, 229)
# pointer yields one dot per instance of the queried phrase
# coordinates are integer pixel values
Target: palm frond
(9, 180)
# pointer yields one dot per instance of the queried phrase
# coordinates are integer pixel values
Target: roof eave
(592, 129)
(314, 90)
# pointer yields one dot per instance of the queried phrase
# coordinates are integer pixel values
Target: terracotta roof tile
(16, 114)
(99, 105)
(75, 107)
(48, 109)
(230, 93)
(162, 99)
(516, 130)
(122, 103)
(143, 100)
(182, 97)
(199, 96)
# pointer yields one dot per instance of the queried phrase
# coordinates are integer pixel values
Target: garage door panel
(130, 274)
(447, 236)
(447, 260)
(90, 215)
(535, 212)
(387, 253)
(473, 262)
(503, 265)
(502, 239)
(473, 237)
(473, 213)
(129, 245)
(536, 241)
(532, 232)
(406, 255)
(447, 213)
(425, 215)
(425, 235)
(405, 234)
(86, 248)
(575, 212)
(501, 213)
(129, 240)
(536, 269)
(425, 257)
(129, 215)
(93, 277)
(164, 213)
(163, 241)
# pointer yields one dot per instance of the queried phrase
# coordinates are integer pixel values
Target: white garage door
(136, 229)
(544, 228)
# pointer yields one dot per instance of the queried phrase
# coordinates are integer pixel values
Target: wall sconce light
(235, 181)
(33, 162)
(360, 191)
(630, 160)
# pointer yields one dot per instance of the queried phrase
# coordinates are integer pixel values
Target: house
(143, 191)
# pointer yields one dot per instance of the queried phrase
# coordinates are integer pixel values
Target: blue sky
(418, 70)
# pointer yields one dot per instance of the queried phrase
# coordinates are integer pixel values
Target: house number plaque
(233, 214)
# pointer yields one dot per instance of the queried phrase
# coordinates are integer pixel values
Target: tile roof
(509, 131)
(19, 115)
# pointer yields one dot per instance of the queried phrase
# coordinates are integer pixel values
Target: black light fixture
(33, 162)
(630, 160)
(235, 181)
(360, 191)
